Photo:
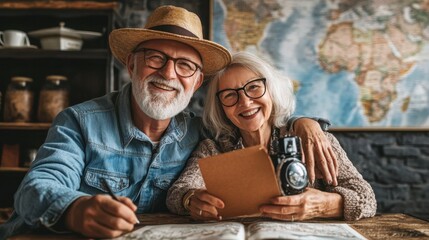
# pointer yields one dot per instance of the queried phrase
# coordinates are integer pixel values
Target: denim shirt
(94, 140)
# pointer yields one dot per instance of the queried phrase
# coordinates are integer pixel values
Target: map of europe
(357, 63)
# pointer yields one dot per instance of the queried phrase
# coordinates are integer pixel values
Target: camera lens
(296, 175)
(293, 176)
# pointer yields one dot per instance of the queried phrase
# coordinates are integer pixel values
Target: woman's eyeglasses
(253, 90)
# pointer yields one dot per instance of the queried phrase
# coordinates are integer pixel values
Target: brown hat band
(174, 29)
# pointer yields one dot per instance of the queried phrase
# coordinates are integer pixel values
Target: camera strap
(276, 135)
(283, 132)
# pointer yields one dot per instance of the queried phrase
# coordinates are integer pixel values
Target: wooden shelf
(13, 169)
(59, 5)
(5, 214)
(90, 71)
(25, 53)
(24, 126)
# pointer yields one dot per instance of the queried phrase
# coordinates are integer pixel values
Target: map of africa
(357, 63)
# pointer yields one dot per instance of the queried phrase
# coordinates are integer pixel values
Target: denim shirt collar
(175, 132)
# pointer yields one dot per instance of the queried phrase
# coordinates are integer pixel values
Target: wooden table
(385, 226)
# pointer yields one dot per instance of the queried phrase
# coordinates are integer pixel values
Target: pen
(109, 190)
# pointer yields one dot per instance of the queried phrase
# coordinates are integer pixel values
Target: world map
(356, 63)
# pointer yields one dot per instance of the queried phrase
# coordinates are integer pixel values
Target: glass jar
(19, 99)
(53, 98)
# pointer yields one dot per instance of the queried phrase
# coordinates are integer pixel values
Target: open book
(238, 231)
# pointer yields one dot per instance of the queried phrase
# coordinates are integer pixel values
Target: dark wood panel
(9, 183)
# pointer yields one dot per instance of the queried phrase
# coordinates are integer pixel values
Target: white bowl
(62, 38)
(60, 43)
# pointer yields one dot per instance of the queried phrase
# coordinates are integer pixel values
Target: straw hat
(171, 23)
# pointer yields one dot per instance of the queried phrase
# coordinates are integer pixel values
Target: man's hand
(101, 216)
(318, 154)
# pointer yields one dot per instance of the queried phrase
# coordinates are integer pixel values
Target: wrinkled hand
(318, 154)
(312, 203)
(204, 206)
(101, 216)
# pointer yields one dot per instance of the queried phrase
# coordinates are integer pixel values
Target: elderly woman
(248, 103)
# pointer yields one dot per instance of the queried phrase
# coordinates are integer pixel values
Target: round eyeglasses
(253, 90)
(156, 60)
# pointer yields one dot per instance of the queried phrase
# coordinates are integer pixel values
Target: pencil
(109, 190)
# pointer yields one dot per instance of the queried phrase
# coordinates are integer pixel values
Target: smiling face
(248, 115)
(162, 93)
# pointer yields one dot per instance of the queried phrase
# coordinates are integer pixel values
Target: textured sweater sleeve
(358, 196)
(190, 178)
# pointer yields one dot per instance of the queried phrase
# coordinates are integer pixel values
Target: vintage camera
(290, 170)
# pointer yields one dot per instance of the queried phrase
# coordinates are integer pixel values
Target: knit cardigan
(358, 197)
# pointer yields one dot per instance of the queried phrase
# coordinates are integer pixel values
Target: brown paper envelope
(244, 179)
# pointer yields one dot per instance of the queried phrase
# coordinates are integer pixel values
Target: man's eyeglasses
(157, 60)
(253, 90)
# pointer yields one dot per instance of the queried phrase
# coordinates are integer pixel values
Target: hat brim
(123, 41)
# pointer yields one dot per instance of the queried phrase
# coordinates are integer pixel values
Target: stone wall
(396, 164)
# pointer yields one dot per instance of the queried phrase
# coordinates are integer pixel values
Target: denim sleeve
(52, 183)
(324, 123)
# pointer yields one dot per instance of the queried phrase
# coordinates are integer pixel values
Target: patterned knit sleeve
(190, 178)
(358, 196)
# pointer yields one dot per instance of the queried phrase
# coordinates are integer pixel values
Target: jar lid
(56, 78)
(21, 79)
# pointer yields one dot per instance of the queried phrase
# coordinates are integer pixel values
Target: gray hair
(279, 87)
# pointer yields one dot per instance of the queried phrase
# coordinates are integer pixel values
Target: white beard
(160, 106)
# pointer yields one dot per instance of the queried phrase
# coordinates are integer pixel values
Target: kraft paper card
(244, 179)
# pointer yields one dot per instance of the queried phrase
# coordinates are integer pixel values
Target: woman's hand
(204, 206)
(312, 203)
(319, 157)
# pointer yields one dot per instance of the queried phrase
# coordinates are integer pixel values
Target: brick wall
(396, 164)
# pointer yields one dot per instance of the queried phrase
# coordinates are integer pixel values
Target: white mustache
(175, 84)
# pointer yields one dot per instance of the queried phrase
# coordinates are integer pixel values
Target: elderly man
(135, 141)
